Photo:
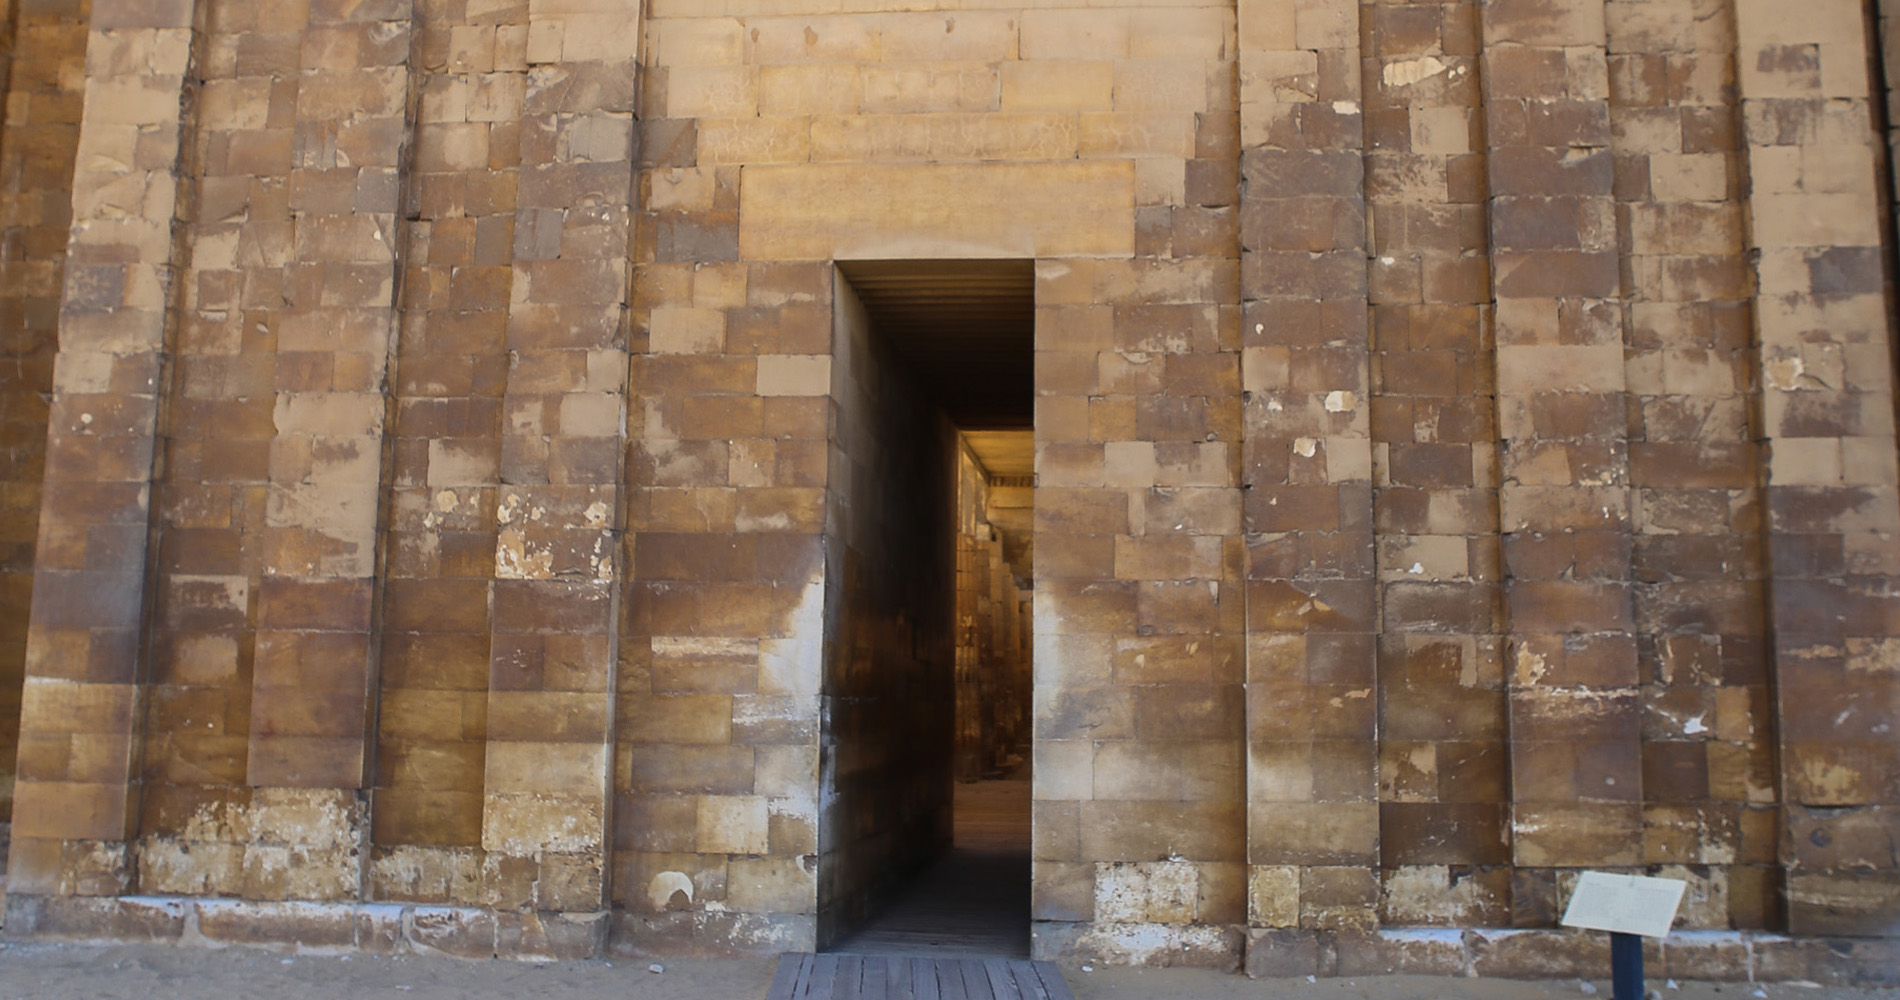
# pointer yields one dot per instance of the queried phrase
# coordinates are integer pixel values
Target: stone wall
(44, 75)
(889, 704)
(472, 515)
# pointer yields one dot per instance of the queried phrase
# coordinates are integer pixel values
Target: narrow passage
(973, 902)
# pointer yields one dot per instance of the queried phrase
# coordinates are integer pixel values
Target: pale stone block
(794, 375)
(1130, 464)
(1160, 180)
(591, 414)
(498, 97)
(1813, 220)
(1348, 459)
(821, 212)
(896, 138)
(1697, 373)
(682, 189)
(541, 768)
(1688, 177)
(231, 104)
(1267, 25)
(1557, 24)
(771, 885)
(1761, 23)
(947, 36)
(1441, 131)
(1065, 770)
(719, 286)
(1178, 85)
(1121, 893)
(1844, 71)
(673, 330)
(1273, 896)
(1117, 134)
(908, 88)
(1323, 25)
(698, 41)
(1187, 33)
(131, 101)
(1058, 85)
(1426, 557)
(822, 89)
(532, 823)
(1075, 34)
(724, 141)
(1868, 460)
(712, 92)
(834, 39)
(1540, 368)
(732, 824)
(599, 37)
(1265, 369)
(1805, 462)
(544, 42)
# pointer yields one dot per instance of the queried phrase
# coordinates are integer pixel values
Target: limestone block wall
(44, 74)
(468, 512)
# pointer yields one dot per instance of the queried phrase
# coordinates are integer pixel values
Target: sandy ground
(32, 971)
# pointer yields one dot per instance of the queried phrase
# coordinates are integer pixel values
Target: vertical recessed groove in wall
(189, 166)
(1882, 63)
(407, 215)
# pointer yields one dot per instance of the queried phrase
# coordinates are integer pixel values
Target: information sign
(1625, 904)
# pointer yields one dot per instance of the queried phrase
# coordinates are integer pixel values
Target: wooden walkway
(871, 977)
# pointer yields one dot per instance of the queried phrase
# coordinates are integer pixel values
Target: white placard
(1627, 904)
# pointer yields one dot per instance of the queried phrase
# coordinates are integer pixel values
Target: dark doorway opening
(959, 334)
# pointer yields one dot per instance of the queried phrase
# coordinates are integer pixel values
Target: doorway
(924, 843)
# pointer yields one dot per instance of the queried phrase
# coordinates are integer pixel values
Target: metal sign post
(1630, 907)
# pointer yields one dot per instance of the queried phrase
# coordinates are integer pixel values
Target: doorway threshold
(861, 977)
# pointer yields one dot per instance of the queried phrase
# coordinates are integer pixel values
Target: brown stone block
(1540, 954)
(1167, 659)
(436, 605)
(1081, 510)
(1292, 508)
(1310, 711)
(303, 603)
(1297, 833)
(1845, 903)
(1189, 712)
(1143, 831)
(711, 770)
(305, 761)
(1430, 833)
(1064, 556)
(1090, 606)
(1085, 713)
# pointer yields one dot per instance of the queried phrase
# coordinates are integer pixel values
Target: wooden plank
(877, 979)
(1002, 983)
(785, 980)
(903, 979)
(924, 976)
(976, 980)
(850, 978)
(1027, 982)
(824, 977)
(1052, 981)
(950, 981)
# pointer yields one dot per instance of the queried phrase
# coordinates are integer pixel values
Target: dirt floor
(33, 971)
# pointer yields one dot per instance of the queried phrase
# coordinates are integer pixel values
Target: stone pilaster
(75, 804)
(1564, 496)
(1823, 330)
(1312, 591)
